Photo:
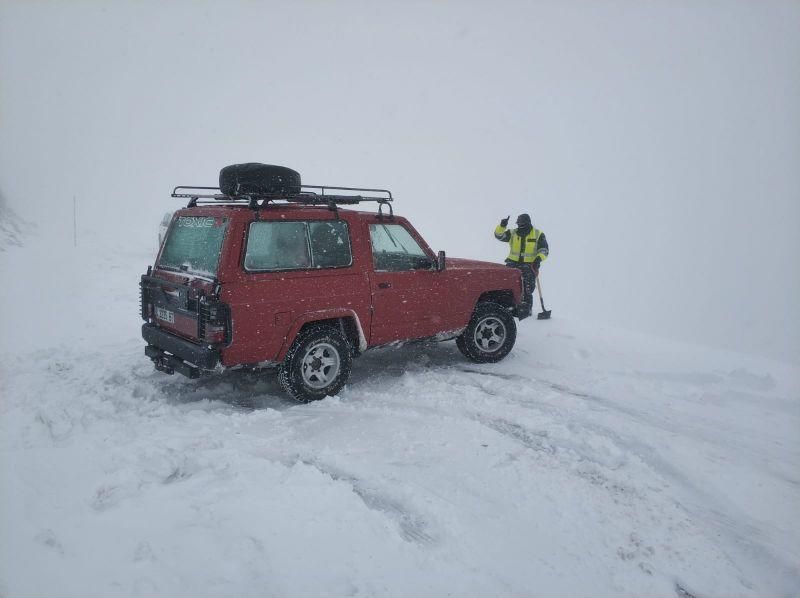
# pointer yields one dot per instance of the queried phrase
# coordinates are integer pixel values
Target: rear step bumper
(173, 354)
(169, 364)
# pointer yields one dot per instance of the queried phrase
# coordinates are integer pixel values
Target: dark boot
(523, 310)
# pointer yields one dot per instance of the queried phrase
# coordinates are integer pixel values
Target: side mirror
(440, 265)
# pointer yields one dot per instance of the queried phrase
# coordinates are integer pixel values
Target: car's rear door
(174, 294)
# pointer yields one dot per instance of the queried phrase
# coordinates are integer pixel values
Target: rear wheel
(317, 364)
(490, 334)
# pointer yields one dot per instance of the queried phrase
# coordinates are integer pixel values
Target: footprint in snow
(144, 553)
(583, 353)
(48, 538)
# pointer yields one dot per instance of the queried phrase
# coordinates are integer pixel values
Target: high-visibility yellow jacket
(523, 249)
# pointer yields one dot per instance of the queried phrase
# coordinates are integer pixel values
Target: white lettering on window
(196, 221)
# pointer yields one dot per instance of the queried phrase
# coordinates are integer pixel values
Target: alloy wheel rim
(490, 333)
(320, 365)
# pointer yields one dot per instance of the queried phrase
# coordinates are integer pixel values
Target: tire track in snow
(557, 453)
(695, 501)
(219, 390)
(725, 518)
(412, 526)
(563, 454)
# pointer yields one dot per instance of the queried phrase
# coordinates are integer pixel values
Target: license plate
(165, 314)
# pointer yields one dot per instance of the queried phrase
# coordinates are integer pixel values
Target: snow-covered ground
(13, 229)
(592, 461)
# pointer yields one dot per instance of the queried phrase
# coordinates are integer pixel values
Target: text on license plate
(165, 314)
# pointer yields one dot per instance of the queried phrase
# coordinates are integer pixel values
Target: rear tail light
(213, 321)
(214, 334)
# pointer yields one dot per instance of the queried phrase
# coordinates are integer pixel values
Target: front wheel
(490, 334)
(317, 364)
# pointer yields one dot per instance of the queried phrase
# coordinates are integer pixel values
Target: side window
(330, 244)
(394, 249)
(277, 246)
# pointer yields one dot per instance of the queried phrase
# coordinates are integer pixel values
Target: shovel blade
(545, 315)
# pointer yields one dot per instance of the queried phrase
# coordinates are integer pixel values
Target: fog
(657, 144)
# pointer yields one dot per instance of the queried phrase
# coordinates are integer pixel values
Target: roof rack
(311, 195)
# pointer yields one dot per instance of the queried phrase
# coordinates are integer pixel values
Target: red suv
(277, 274)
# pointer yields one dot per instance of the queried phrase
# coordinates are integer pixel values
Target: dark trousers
(528, 280)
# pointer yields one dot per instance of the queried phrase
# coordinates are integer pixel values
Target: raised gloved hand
(504, 222)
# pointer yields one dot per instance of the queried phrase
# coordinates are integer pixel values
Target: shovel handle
(539, 288)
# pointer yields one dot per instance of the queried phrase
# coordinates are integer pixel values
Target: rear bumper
(160, 342)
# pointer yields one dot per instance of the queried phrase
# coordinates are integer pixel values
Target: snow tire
(317, 365)
(490, 334)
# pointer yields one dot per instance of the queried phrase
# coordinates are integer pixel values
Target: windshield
(193, 245)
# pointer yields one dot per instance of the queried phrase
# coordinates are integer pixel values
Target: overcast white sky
(656, 143)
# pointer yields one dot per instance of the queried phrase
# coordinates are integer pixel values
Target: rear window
(193, 245)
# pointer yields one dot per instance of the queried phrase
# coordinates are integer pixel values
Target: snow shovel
(545, 313)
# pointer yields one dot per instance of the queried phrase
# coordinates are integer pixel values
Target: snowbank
(13, 229)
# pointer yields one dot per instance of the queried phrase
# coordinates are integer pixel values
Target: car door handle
(384, 285)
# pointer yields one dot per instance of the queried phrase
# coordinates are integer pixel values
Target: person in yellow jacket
(527, 250)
